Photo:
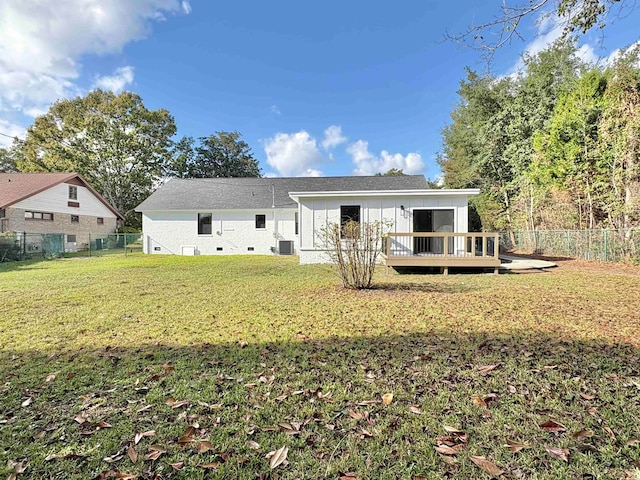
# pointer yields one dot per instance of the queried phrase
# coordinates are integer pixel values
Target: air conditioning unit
(285, 247)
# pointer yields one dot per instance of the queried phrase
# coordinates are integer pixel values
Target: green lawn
(227, 359)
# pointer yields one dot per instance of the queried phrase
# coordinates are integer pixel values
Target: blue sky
(336, 88)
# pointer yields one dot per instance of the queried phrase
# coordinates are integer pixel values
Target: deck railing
(441, 249)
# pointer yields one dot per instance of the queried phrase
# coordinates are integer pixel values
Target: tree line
(553, 146)
(123, 149)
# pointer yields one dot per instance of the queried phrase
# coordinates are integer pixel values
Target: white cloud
(333, 137)
(294, 154)
(10, 131)
(41, 43)
(587, 54)
(275, 109)
(368, 164)
(186, 7)
(615, 55)
(117, 82)
(548, 31)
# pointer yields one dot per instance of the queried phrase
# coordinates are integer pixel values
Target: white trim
(388, 193)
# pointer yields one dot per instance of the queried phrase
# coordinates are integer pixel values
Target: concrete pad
(522, 263)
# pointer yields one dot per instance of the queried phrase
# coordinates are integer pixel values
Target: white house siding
(316, 212)
(55, 200)
(233, 231)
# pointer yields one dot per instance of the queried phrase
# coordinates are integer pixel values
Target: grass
(268, 354)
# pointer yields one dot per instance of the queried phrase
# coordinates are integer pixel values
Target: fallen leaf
(582, 434)
(553, 427)
(587, 396)
(514, 446)
(448, 459)
(478, 400)
(50, 378)
(154, 452)
(81, 418)
(132, 454)
(140, 435)
(253, 445)
(449, 429)
(114, 458)
(487, 465)
(387, 398)
(125, 476)
(485, 369)
(204, 446)
(177, 465)
(185, 440)
(278, 457)
(417, 409)
(27, 402)
(355, 415)
(447, 450)
(560, 453)
(210, 466)
(610, 433)
(100, 425)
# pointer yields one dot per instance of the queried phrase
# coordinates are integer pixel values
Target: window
(38, 216)
(75, 218)
(71, 238)
(348, 213)
(261, 221)
(296, 224)
(100, 221)
(218, 249)
(204, 224)
(73, 192)
(250, 249)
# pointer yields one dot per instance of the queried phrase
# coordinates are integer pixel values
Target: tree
(573, 16)
(394, 172)
(222, 154)
(7, 160)
(114, 141)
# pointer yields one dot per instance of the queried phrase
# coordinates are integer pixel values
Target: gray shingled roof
(253, 193)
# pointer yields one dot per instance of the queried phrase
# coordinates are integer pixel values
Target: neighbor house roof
(253, 193)
(15, 187)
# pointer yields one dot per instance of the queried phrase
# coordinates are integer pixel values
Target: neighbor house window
(75, 218)
(38, 216)
(71, 238)
(100, 221)
(204, 224)
(296, 224)
(261, 221)
(348, 213)
(73, 192)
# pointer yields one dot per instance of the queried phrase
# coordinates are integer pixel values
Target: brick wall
(61, 224)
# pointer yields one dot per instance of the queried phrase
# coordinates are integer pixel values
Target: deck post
(445, 270)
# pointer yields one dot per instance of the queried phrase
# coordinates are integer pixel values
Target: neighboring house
(55, 203)
(222, 216)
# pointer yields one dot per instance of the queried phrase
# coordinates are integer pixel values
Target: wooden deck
(444, 250)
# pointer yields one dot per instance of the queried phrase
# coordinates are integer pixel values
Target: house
(222, 216)
(61, 203)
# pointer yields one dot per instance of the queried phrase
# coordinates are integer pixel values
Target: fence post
(89, 245)
(606, 247)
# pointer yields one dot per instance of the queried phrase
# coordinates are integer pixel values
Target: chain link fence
(38, 246)
(607, 245)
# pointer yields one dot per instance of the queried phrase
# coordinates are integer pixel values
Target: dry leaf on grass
(560, 453)
(417, 409)
(154, 452)
(177, 465)
(209, 466)
(553, 427)
(277, 457)
(583, 434)
(387, 398)
(204, 446)
(487, 465)
(485, 369)
(253, 445)
(140, 435)
(514, 446)
(447, 450)
(132, 454)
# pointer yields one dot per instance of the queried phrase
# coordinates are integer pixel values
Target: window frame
(264, 221)
(73, 192)
(201, 225)
(345, 217)
(75, 218)
(31, 215)
(100, 220)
